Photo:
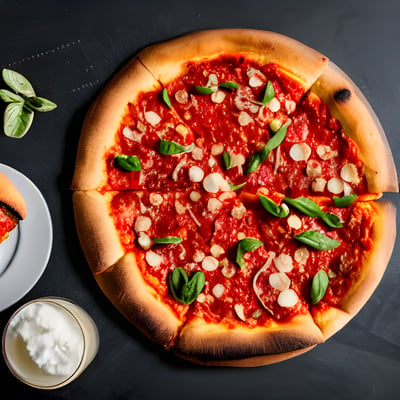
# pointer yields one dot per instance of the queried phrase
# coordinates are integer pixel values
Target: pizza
(12, 207)
(227, 196)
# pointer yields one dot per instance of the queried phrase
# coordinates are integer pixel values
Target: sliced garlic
(195, 196)
(283, 262)
(349, 173)
(209, 263)
(153, 259)
(279, 281)
(318, 185)
(300, 152)
(301, 255)
(214, 182)
(144, 241)
(182, 96)
(218, 290)
(288, 298)
(142, 224)
(325, 152)
(335, 185)
(294, 221)
(196, 174)
(239, 310)
(218, 97)
(244, 118)
(313, 169)
(216, 250)
(274, 105)
(152, 118)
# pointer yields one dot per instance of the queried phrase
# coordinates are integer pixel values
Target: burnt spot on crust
(342, 96)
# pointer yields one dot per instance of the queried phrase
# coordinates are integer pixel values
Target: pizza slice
(12, 207)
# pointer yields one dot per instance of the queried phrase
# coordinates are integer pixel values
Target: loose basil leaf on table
(311, 209)
(345, 201)
(10, 97)
(18, 83)
(185, 289)
(167, 240)
(39, 104)
(273, 208)
(128, 163)
(17, 120)
(168, 147)
(317, 240)
(244, 246)
(319, 286)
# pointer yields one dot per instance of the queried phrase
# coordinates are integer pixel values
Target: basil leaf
(40, 104)
(166, 98)
(275, 140)
(169, 148)
(317, 240)
(319, 286)
(311, 209)
(168, 240)
(244, 246)
(254, 162)
(10, 97)
(273, 208)
(17, 120)
(18, 82)
(183, 289)
(229, 85)
(227, 159)
(128, 163)
(269, 93)
(237, 187)
(206, 89)
(345, 201)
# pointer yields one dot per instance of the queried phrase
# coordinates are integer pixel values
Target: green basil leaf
(345, 201)
(237, 187)
(18, 82)
(229, 85)
(311, 209)
(128, 163)
(206, 89)
(166, 98)
(10, 97)
(319, 286)
(17, 120)
(244, 246)
(169, 148)
(167, 240)
(227, 159)
(183, 289)
(275, 140)
(317, 240)
(254, 162)
(273, 208)
(40, 104)
(269, 93)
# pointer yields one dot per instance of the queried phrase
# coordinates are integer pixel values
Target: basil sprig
(22, 104)
(269, 93)
(185, 289)
(244, 246)
(169, 148)
(317, 240)
(236, 187)
(345, 201)
(166, 99)
(273, 208)
(272, 143)
(227, 159)
(311, 209)
(168, 240)
(229, 85)
(206, 89)
(319, 286)
(128, 163)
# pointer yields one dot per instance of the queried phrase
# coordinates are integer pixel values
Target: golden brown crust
(216, 344)
(103, 120)
(330, 319)
(374, 262)
(166, 61)
(96, 231)
(124, 285)
(349, 106)
(10, 196)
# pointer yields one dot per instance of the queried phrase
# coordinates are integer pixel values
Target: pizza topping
(152, 118)
(195, 196)
(273, 208)
(318, 185)
(300, 152)
(317, 240)
(335, 185)
(185, 289)
(206, 89)
(294, 221)
(182, 96)
(168, 147)
(349, 173)
(239, 310)
(166, 98)
(319, 286)
(301, 255)
(345, 201)
(279, 281)
(288, 298)
(127, 163)
(209, 263)
(325, 152)
(313, 169)
(153, 259)
(216, 250)
(167, 240)
(257, 78)
(245, 119)
(218, 96)
(196, 174)
(144, 241)
(218, 290)
(214, 182)
(274, 105)
(245, 245)
(142, 224)
(283, 262)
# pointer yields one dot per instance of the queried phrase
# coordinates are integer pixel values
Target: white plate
(26, 252)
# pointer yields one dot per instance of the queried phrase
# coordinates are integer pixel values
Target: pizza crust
(349, 106)
(124, 285)
(96, 231)
(374, 262)
(10, 196)
(330, 319)
(167, 60)
(216, 344)
(102, 123)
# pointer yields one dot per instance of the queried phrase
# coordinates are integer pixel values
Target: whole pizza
(226, 196)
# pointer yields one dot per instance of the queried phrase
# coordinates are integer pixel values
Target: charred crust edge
(342, 95)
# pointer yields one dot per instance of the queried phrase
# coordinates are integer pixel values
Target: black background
(69, 50)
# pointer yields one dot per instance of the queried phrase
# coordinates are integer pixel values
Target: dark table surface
(69, 50)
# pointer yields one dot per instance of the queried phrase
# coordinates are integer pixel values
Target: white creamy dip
(53, 339)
